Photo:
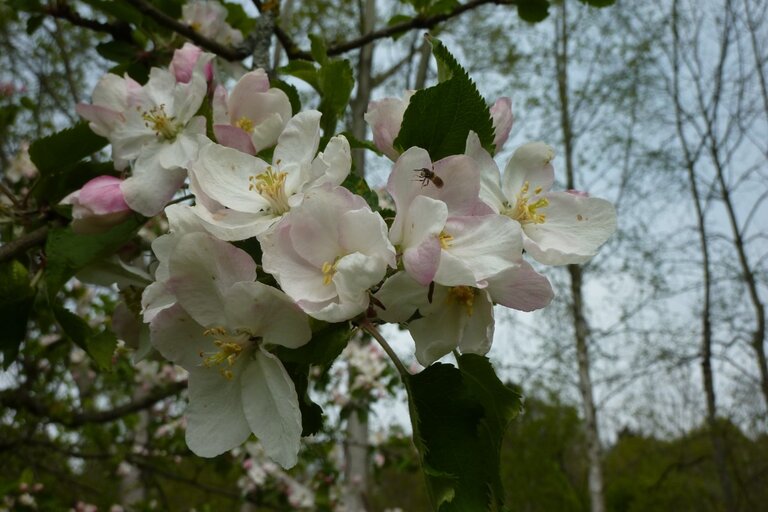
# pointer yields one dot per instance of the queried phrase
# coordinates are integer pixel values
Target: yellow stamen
(163, 125)
(245, 124)
(329, 269)
(271, 185)
(445, 240)
(230, 346)
(462, 295)
(525, 212)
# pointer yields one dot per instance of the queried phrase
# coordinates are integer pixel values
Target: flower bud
(97, 206)
(186, 59)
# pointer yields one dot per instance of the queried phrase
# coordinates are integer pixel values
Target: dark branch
(227, 52)
(119, 31)
(19, 399)
(15, 247)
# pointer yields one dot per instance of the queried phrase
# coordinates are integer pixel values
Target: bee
(426, 175)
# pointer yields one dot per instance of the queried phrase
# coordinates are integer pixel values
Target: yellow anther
(230, 345)
(163, 125)
(245, 124)
(445, 240)
(462, 295)
(329, 269)
(525, 212)
(271, 185)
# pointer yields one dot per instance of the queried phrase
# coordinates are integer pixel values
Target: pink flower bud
(385, 117)
(187, 59)
(97, 206)
(501, 113)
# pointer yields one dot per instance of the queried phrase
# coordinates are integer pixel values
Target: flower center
(245, 124)
(524, 210)
(230, 346)
(159, 122)
(329, 269)
(446, 240)
(463, 296)
(271, 185)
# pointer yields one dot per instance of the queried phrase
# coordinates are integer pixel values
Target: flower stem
(373, 331)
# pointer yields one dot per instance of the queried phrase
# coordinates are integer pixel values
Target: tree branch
(18, 399)
(15, 247)
(119, 31)
(227, 52)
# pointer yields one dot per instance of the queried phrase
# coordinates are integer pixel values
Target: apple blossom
(98, 205)
(559, 228)
(328, 252)
(208, 18)
(243, 196)
(189, 58)
(501, 114)
(219, 331)
(160, 136)
(253, 116)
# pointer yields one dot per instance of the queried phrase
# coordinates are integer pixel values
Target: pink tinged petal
(102, 120)
(422, 261)
(257, 105)
(183, 62)
(521, 288)
(332, 165)
(530, 163)
(220, 107)
(178, 337)
(461, 186)
(299, 141)
(364, 231)
(272, 407)
(574, 228)
(234, 137)
(385, 118)
(477, 336)
(202, 271)
(355, 274)
(297, 277)
(421, 243)
(490, 178)
(102, 195)
(484, 246)
(501, 114)
(151, 187)
(231, 225)
(440, 330)
(216, 422)
(251, 83)
(268, 313)
(401, 296)
(266, 133)
(225, 175)
(404, 185)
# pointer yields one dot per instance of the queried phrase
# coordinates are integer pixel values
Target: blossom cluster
(257, 171)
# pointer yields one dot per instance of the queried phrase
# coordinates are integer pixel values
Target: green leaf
(459, 417)
(99, 346)
(238, 18)
(336, 81)
(52, 187)
(34, 22)
(439, 118)
(533, 11)
(67, 252)
(318, 49)
(121, 11)
(328, 340)
(16, 299)
(67, 147)
(290, 91)
(302, 70)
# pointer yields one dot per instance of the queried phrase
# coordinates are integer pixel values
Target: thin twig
(15, 247)
(368, 327)
(62, 10)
